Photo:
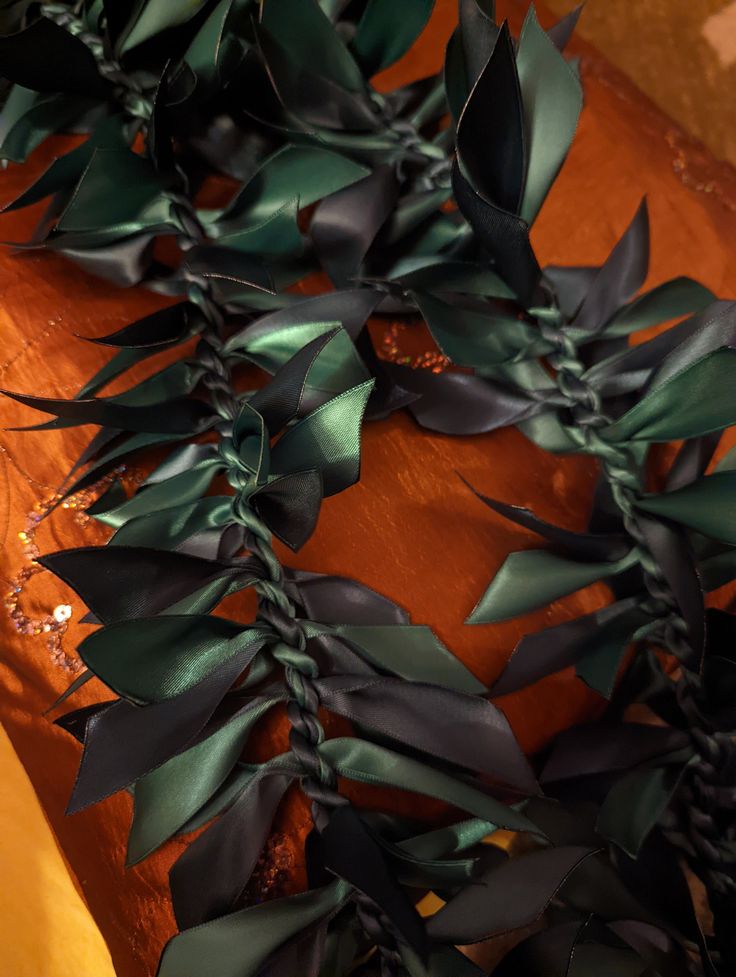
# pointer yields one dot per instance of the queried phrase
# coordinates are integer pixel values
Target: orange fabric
(409, 529)
(46, 930)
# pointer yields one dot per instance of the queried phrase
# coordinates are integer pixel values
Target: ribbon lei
(276, 610)
(713, 768)
(318, 780)
(191, 684)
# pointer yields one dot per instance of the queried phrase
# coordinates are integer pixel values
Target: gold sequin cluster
(272, 874)
(54, 625)
(391, 349)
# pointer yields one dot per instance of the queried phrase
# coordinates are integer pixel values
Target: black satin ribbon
(210, 876)
(634, 368)
(339, 600)
(494, 106)
(387, 395)
(182, 416)
(345, 224)
(548, 651)
(46, 58)
(588, 547)
(621, 275)
(347, 848)
(479, 34)
(290, 506)
(570, 285)
(124, 263)
(119, 748)
(466, 730)
(350, 307)
(461, 403)
(119, 583)
(692, 460)
(525, 887)
(169, 325)
(602, 748)
(281, 400)
(601, 912)
(561, 32)
(718, 702)
(504, 236)
(304, 955)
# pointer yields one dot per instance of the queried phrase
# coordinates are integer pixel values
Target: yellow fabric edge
(46, 929)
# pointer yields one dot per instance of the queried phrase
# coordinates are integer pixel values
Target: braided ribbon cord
(693, 824)
(306, 733)
(694, 828)
(275, 609)
(135, 100)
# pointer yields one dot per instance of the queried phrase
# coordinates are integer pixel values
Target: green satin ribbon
(184, 488)
(215, 46)
(153, 19)
(553, 99)
(311, 443)
(412, 652)
(386, 31)
(28, 117)
(115, 183)
(171, 527)
(277, 236)
(170, 796)
(301, 28)
(533, 578)
(454, 838)
(636, 804)
(159, 658)
(475, 339)
(683, 406)
(336, 368)
(304, 173)
(239, 944)
(372, 764)
(707, 505)
(670, 300)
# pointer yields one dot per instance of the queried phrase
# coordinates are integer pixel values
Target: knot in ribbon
(243, 476)
(437, 168)
(620, 467)
(216, 377)
(137, 102)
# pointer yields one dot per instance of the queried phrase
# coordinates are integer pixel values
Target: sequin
(54, 625)
(391, 350)
(62, 613)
